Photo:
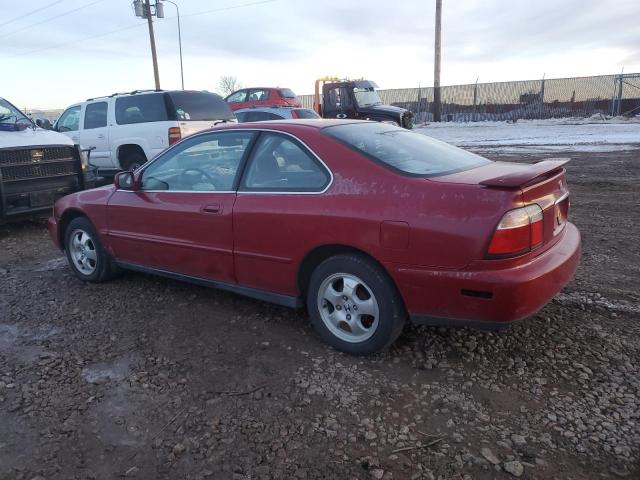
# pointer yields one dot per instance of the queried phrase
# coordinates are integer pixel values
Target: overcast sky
(57, 52)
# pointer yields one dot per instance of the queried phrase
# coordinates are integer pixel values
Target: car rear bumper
(52, 226)
(489, 299)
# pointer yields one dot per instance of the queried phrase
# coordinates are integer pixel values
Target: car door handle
(101, 136)
(213, 208)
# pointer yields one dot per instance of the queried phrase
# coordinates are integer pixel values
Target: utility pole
(152, 39)
(436, 67)
(142, 9)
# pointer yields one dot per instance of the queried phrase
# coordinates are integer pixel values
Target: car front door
(273, 217)
(179, 216)
(94, 133)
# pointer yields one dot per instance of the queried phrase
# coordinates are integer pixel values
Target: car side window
(258, 94)
(281, 164)
(69, 121)
(205, 163)
(237, 97)
(261, 116)
(95, 115)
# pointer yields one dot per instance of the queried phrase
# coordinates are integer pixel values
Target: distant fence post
(542, 98)
(475, 100)
(619, 102)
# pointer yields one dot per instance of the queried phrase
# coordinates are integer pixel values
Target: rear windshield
(403, 150)
(306, 113)
(199, 106)
(287, 93)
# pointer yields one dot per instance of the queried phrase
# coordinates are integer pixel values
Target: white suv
(125, 130)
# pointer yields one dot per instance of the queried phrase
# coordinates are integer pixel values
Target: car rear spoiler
(527, 175)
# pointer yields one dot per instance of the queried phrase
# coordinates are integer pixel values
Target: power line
(31, 13)
(231, 7)
(91, 37)
(76, 41)
(63, 14)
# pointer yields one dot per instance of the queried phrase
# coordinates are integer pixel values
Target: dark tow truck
(356, 99)
(37, 166)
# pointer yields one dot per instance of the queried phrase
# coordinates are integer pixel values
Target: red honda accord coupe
(365, 223)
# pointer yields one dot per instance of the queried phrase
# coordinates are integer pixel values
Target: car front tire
(354, 305)
(85, 254)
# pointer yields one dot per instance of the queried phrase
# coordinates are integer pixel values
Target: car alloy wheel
(348, 307)
(83, 252)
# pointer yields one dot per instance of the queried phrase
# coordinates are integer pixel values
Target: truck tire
(133, 161)
(354, 305)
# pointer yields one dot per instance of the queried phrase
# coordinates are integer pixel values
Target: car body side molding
(277, 298)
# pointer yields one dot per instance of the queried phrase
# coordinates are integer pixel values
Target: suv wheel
(85, 253)
(354, 305)
(133, 161)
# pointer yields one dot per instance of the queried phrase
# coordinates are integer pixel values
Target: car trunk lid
(543, 183)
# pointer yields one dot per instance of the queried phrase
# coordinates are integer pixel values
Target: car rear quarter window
(202, 106)
(405, 151)
(141, 109)
(95, 115)
(286, 93)
(281, 164)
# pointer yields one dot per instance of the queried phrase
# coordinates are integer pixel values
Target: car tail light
(519, 231)
(174, 135)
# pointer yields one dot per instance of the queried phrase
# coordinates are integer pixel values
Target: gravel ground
(151, 378)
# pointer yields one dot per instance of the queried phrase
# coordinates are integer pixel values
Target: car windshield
(10, 114)
(408, 152)
(366, 97)
(200, 106)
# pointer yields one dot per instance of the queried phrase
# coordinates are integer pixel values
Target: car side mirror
(125, 181)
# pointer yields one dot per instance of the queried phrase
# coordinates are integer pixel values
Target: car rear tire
(85, 254)
(354, 305)
(133, 161)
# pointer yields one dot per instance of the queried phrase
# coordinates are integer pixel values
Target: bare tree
(228, 84)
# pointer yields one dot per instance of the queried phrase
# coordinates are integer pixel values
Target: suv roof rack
(125, 93)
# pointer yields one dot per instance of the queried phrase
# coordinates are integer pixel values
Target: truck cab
(37, 166)
(356, 99)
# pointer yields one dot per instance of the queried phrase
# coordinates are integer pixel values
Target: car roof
(259, 108)
(284, 124)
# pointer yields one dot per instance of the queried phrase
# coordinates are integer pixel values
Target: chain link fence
(608, 95)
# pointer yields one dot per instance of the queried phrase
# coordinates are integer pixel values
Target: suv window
(69, 121)
(204, 163)
(199, 106)
(281, 164)
(258, 94)
(95, 115)
(237, 97)
(141, 108)
(407, 152)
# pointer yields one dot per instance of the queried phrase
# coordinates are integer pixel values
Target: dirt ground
(151, 378)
